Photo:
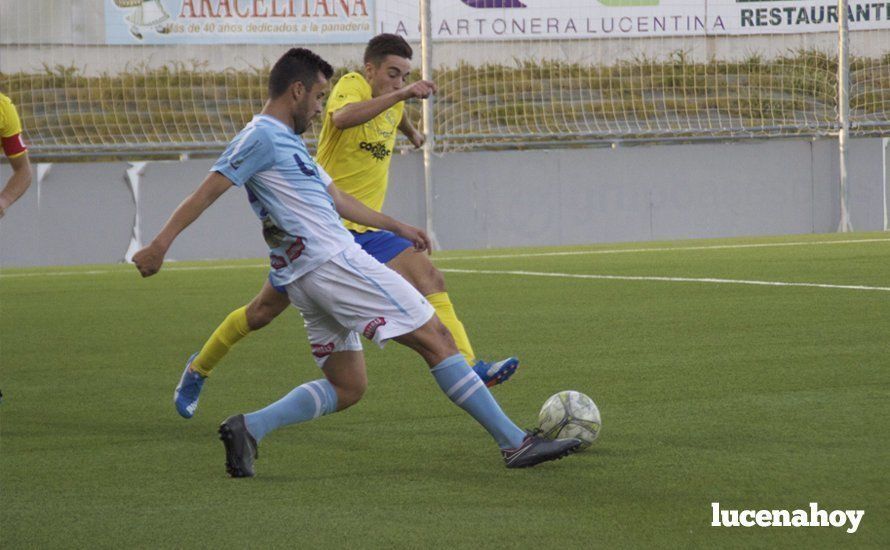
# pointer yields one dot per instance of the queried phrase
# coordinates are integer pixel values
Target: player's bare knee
(427, 279)
(261, 312)
(435, 280)
(259, 316)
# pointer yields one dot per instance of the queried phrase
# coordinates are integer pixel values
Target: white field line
(664, 279)
(488, 257)
(519, 273)
(662, 249)
(131, 271)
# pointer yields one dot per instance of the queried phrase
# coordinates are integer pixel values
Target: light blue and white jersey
(288, 192)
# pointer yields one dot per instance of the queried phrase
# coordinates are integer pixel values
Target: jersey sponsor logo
(295, 250)
(371, 328)
(377, 150)
(277, 262)
(322, 350)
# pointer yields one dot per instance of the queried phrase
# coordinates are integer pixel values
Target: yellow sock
(223, 338)
(445, 310)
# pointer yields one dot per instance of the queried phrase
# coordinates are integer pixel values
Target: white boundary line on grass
(130, 271)
(663, 279)
(662, 249)
(519, 273)
(488, 257)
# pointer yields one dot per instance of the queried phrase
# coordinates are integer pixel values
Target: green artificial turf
(757, 397)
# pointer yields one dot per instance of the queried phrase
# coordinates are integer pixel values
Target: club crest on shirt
(386, 130)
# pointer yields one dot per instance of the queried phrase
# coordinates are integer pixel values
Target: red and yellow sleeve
(10, 129)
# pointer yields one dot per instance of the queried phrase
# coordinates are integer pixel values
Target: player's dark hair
(298, 64)
(387, 44)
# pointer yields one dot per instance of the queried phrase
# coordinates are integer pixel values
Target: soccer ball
(570, 414)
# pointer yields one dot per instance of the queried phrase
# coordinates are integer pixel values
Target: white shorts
(352, 294)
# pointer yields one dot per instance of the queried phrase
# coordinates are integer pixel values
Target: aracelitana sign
(238, 21)
(355, 21)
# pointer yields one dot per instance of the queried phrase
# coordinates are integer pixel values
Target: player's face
(309, 104)
(389, 76)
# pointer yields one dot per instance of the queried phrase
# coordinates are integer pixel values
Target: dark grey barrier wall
(228, 229)
(78, 214)
(84, 213)
(870, 177)
(642, 193)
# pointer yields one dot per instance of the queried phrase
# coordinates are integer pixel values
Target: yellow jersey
(358, 158)
(10, 129)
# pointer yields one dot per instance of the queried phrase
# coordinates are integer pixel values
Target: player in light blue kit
(339, 289)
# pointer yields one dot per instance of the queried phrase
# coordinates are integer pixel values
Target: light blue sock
(461, 384)
(311, 400)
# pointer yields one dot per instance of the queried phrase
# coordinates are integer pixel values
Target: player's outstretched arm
(18, 182)
(356, 114)
(149, 260)
(352, 209)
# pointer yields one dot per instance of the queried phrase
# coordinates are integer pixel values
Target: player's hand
(417, 138)
(149, 260)
(421, 89)
(417, 236)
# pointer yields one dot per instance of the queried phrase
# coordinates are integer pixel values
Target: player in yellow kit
(16, 152)
(361, 121)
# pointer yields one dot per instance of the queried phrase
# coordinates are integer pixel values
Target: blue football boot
(493, 374)
(185, 397)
